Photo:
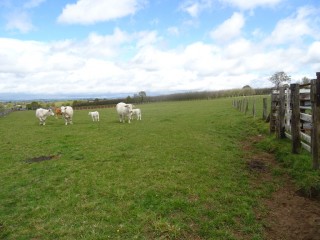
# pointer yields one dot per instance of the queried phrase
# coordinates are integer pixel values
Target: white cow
(136, 112)
(42, 115)
(124, 110)
(67, 113)
(94, 116)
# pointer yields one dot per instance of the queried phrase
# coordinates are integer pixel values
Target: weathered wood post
(273, 111)
(281, 113)
(243, 104)
(295, 118)
(315, 135)
(254, 108)
(246, 106)
(264, 112)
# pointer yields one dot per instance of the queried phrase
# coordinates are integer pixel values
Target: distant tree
(34, 106)
(305, 80)
(247, 90)
(142, 95)
(279, 78)
(76, 103)
(129, 99)
(136, 98)
(1, 107)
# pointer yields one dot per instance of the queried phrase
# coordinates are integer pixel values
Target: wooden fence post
(273, 112)
(315, 135)
(246, 108)
(254, 108)
(264, 113)
(281, 113)
(242, 105)
(295, 118)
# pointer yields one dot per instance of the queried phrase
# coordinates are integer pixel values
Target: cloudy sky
(101, 48)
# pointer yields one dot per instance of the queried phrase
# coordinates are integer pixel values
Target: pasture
(177, 174)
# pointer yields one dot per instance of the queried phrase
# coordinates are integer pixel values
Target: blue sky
(102, 48)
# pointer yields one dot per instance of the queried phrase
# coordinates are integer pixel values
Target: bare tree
(279, 78)
(142, 95)
(247, 90)
(305, 80)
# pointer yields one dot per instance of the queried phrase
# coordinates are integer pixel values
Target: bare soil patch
(290, 213)
(41, 158)
(256, 165)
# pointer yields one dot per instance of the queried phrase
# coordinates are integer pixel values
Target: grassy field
(177, 174)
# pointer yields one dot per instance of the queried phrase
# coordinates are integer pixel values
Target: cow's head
(63, 109)
(129, 108)
(50, 112)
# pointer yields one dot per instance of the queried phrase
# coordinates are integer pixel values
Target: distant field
(177, 174)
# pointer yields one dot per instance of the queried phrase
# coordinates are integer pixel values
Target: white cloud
(240, 47)
(229, 29)
(19, 20)
(173, 31)
(33, 3)
(195, 7)
(93, 11)
(94, 64)
(313, 54)
(146, 38)
(104, 46)
(293, 28)
(251, 4)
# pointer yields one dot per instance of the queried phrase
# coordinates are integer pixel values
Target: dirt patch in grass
(290, 213)
(41, 158)
(256, 165)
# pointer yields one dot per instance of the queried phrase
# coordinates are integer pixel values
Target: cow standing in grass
(42, 115)
(124, 111)
(67, 113)
(94, 116)
(136, 112)
(58, 112)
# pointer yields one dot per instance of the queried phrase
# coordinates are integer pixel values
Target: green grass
(177, 174)
(298, 166)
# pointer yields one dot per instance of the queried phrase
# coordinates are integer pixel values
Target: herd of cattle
(124, 111)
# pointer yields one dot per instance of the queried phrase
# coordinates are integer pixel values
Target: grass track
(177, 174)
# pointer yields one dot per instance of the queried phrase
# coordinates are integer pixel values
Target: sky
(114, 48)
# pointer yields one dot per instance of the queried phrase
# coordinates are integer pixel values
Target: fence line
(6, 112)
(248, 105)
(94, 107)
(295, 114)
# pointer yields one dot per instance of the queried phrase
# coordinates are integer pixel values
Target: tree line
(186, 96)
